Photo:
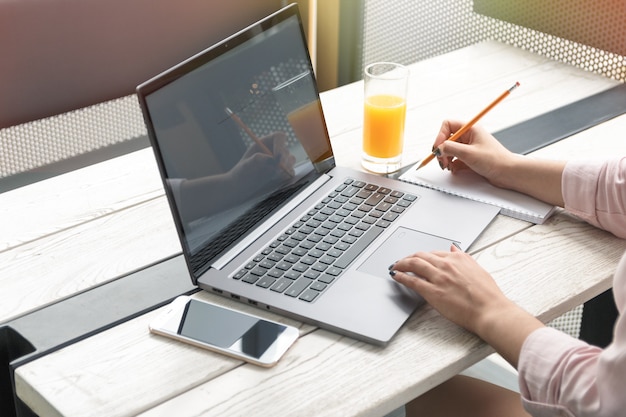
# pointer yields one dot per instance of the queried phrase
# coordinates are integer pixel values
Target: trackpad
(401, 243)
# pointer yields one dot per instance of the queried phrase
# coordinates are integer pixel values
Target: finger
(280, 139)
(421, 264)
(417, 284)
(458, 154)
(453, 149)
(448, 127)
(457, 165)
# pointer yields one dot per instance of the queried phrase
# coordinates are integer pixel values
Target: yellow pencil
(469, 124)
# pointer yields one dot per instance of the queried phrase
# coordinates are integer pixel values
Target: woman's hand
(453, 283)
(462, 291)
(257, 168)
(477, 150)
(480, 152)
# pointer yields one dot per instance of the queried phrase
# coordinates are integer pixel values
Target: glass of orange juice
(384, 116)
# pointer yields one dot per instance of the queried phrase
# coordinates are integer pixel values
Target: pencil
(254, 137)
(469, 124)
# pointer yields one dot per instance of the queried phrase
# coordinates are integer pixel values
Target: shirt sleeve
(563, 376)
(558, 374)
(596, 192)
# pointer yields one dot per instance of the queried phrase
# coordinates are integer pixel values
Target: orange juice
(383, 127)
(306, 124)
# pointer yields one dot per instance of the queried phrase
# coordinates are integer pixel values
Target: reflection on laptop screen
(239, 130)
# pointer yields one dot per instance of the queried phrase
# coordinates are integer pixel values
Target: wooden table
(73, 232)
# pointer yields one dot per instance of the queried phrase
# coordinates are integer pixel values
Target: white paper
(470, 185)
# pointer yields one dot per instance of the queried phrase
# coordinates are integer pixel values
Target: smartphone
(220, 329)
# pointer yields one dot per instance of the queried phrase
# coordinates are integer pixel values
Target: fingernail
(391, 266)
(441, 164)
(392, 273)
(437, 152)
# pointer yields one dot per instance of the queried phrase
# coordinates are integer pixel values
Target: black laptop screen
(237, 131)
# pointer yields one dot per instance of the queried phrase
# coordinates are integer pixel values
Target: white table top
(124, 371)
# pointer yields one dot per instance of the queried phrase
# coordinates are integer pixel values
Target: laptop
(263, 214)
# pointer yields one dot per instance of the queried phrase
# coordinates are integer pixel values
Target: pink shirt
(563, 376)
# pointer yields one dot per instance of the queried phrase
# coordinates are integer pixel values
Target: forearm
(505, 328)
(536, 177)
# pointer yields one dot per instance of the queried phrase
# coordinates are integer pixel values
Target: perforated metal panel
(31, 145)
(569, 322)
(408, 31)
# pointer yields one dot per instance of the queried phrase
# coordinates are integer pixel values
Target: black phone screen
(228, 329)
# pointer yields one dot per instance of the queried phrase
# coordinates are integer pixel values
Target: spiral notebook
(474, 187)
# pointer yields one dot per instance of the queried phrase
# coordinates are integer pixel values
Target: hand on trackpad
(401, 243)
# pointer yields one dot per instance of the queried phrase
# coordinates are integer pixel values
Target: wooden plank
(47, 207)
(181, 367)
(75, 259)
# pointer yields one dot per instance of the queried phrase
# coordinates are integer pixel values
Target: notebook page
(472, 186)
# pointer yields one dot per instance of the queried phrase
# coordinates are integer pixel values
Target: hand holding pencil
(454, 137)
(257, 140)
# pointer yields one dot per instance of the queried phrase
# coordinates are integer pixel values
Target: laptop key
(358, 247)
(265, 282)
(250, 279)
(259, 272)
(292, 275)
(311, 274)
(326, 278)
(240, 274)
(274, 257)
(350, 192)
(374, 199)
(324, 246)
(318, 286)
(335, 253)
(334, 271)
(267, 264)
(390, 216)
(309, 295)
(298, 286)
(281, 285)
(327, 260)
(275, 273)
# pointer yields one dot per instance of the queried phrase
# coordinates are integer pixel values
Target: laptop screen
(237, 131)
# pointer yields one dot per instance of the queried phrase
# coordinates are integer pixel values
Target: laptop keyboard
(316, 249)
